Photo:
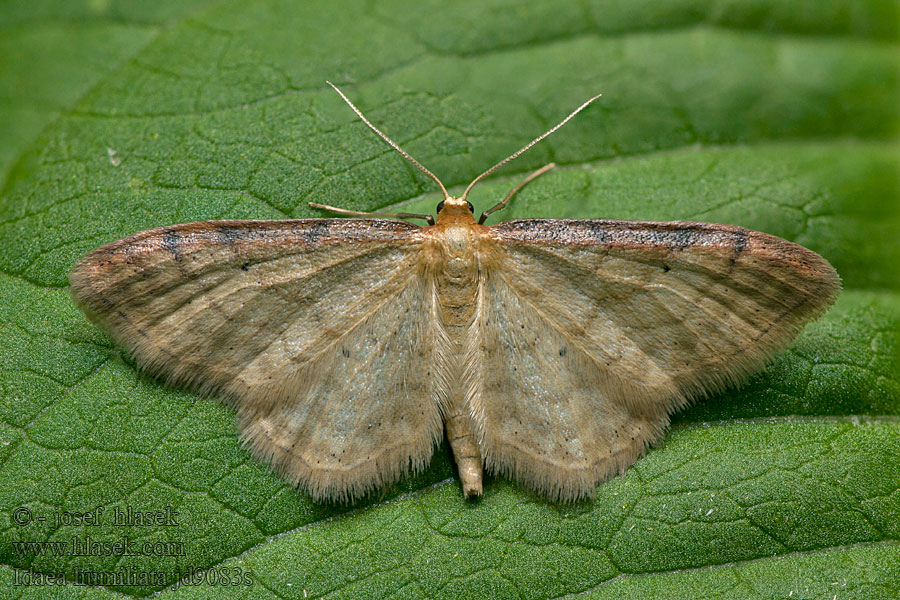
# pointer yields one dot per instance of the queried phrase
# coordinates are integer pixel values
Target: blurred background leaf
(119, 116)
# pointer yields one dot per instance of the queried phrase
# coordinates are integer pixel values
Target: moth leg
(465, 452)
(514, 191)
(343, 211)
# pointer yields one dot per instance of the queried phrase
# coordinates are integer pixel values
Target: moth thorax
(457, 276)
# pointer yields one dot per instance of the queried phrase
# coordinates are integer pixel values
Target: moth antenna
(391, 142)
(515, 191)
(358, 213)
(526, 147)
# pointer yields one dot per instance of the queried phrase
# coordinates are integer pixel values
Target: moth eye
(471, 208)
(440, 206)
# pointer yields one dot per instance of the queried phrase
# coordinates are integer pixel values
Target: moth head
(454, 206)
(450, 205)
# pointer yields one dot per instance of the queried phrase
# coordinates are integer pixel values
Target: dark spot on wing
(740, 244)
(228, 235)
(316, 230)
(598, 231)
(245, 266)
(172, 243)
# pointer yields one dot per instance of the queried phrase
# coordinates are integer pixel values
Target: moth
(552, 351)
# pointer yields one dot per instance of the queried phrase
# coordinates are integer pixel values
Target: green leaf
(119, 116)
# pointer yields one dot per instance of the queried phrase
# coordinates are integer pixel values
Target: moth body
(454, 254)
